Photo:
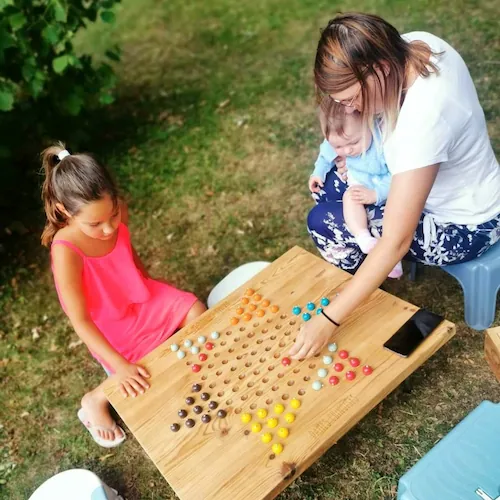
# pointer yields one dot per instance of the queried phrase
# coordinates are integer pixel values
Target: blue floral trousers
(434, 243)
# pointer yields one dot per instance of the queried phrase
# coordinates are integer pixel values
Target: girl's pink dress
(134, 313)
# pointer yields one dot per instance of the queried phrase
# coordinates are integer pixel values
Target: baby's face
(351, 142)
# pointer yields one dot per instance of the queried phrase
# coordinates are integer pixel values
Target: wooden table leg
(492, 350)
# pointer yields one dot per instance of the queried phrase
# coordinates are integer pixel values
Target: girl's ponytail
(55, 219)
(71, 181)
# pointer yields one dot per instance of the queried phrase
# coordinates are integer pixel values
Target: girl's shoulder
(66, 243)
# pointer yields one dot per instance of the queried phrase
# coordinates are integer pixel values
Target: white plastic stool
(234, 280)
(75, 484)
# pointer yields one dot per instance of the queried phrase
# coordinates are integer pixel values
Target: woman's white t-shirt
(441, 121)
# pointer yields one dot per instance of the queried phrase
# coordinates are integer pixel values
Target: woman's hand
(313, 336)
(340, 163)
(315, 184)
(131, 379)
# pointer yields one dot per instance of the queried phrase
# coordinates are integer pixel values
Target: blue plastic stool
(480, 281)
(464, 465)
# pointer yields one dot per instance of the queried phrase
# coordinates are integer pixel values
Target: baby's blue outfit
(369, 169)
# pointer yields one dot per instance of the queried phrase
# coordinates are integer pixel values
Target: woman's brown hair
(355, 46)
(71, 182)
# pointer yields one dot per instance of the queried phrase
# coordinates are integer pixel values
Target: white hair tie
(63, 154)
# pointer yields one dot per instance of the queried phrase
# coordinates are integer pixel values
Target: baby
(367, 176)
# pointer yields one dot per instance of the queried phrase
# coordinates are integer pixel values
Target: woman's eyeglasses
(347, 102)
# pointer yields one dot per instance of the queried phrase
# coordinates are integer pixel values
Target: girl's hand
(363, 195)
(315, 184)
(340, 163)
(131, 379)
(313, 336)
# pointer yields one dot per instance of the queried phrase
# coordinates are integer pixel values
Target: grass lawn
(212, 138)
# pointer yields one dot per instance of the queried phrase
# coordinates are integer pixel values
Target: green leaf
(60, 63)
(6, 99)
(51, 34)
(37, 83)
(29, 69)
(6, 40)
(73, 104)
(17, 21)
(5, 3)
(108, 16)
(107, 4)
(114, 55)
(106, 99)
(60, 12)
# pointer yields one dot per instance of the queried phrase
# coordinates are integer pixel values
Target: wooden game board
(243, 372)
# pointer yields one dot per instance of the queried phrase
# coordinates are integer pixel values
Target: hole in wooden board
(272, 456)
(188, 363)
(312, 366)
(290, 383)
(281, 375)
(265, 380)
(235, 388)
(264, 330)
(255, 325)
(301, 392)
(247, 432)
(275, 388)
(269, 401)
(278, 327)
(273, 337)
(268, 348)
(242, 376)
(283, 316)
(256, 372)
(307, 378)
(253, 353)
(224, 361)
(244, 397)
(242, 329)
(316, 355)
(292, 322)
(250, 384)
(259, 393)
(253, 406)
(236, 339)
(233, 368)
(269, 320)
(276, 355)
(227, 381)
(229, 402)
(250, 335)
(211, 365)
(237, 411)
(218, 372)
(217, 354)
(270, 368)
(228, 332)
(248, 364)
(282, 343)
(212, 385)
(288, 333)
(203, 377)
(262, 360)
(231, 350)
(223, 343)
(244, 346)
(259, 341)
(296, 370)
(239, 356)
(285, 397)
(220, 394)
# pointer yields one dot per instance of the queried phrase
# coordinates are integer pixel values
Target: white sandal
(105, 443)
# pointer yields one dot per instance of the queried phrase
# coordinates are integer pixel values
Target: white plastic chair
(234, 280)
(75, 484)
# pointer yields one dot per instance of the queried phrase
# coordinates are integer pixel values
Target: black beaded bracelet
(329, 319)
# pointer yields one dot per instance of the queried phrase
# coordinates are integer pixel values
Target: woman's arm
(405, 204)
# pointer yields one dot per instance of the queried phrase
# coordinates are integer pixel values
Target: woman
(444, 201)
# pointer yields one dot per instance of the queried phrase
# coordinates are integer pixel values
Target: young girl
(367, 176)
(114, 306)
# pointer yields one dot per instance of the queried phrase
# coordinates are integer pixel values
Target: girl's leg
(357, 223)
(197, 309)
(96, 407)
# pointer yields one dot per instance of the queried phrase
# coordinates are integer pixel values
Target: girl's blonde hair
(352, 48)
(71, 182)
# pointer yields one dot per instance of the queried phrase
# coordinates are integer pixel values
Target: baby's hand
(315, 184)
(340, 163)
(131, 379)
(363, 195)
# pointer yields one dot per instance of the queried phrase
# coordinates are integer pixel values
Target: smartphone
(413, 332)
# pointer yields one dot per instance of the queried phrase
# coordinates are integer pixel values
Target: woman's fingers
(144, 385)
(130, 390)
(135, 384)
(123, 391)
